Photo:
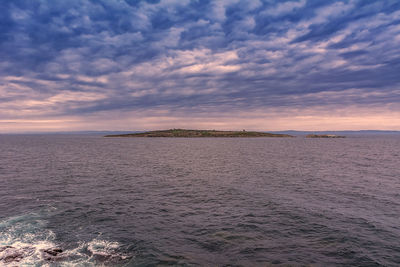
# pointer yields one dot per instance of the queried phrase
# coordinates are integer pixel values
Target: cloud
(282, 8)
(80, 59)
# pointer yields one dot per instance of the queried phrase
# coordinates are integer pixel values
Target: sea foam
(25, 241)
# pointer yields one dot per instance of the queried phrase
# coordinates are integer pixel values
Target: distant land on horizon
(289, 132)
(200, 133)
(344, 132)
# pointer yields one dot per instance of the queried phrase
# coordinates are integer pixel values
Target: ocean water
(70, 200)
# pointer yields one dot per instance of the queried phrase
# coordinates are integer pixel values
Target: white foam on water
(105, 248)
(96, 252)
(25, 239)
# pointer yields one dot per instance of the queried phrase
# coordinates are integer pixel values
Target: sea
(87, 200)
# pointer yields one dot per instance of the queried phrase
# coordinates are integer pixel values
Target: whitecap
(25, 241)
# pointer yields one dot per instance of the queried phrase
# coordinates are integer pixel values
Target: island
(199, 133)
(324, 136)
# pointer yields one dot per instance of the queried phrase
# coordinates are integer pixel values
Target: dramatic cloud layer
(260, 64)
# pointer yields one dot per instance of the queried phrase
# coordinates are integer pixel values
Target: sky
(201, 64)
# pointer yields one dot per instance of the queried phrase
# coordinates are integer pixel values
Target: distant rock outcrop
(324, 136)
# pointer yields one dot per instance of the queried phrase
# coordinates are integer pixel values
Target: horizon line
(116, 131)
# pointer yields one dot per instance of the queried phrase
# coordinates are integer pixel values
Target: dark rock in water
(53, 251)
(53, 254)
(10, 254)
(4, 248)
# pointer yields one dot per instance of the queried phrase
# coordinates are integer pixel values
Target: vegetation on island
(199, 133)
(324, 136)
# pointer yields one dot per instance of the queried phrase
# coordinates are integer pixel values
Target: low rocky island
(199, 133)
(324, 136)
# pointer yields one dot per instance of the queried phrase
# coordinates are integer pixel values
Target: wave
(25, 241)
